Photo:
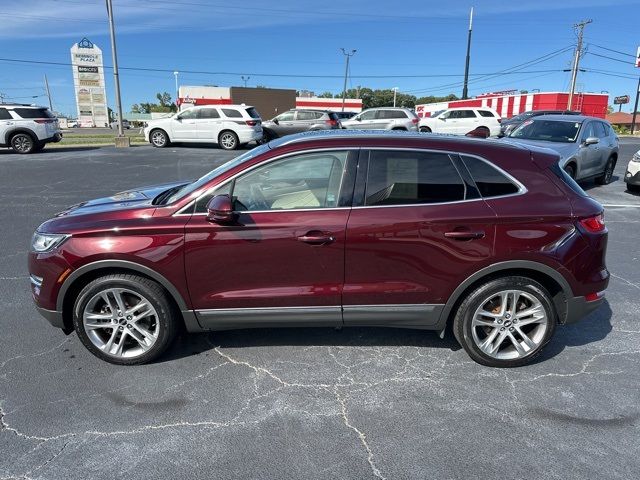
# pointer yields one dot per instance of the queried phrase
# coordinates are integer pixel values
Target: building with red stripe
(509, 104)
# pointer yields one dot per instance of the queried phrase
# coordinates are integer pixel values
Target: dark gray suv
(297, 121)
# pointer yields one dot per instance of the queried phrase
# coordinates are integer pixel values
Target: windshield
(522, 117)
(548, 131)
(192, 187)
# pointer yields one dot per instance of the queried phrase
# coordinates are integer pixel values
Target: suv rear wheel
(425, 129)
(505, 322)
(607, 175)
(22, 143)
(124, 319)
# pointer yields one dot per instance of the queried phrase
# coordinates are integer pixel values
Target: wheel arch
(166, 132)
(8, 135)
(557, 286)
(85, 274)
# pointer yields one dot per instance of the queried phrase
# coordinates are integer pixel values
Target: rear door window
(391, 114)
(369, 115)
(306, 115)
(33, 112)
(412, 177)
(489, 180)
(209, 113)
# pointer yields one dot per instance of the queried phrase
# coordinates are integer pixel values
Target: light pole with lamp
(175, 74)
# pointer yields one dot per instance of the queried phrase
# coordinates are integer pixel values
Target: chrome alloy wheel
(120, 322)
(22, 143)
(158, 138)
(228, 140)
(509, 324)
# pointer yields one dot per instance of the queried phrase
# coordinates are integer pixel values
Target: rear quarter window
(570, 182)
(231, 113)
(33, 112)
(486, 113)
(490, 181)
(5, 115)
(253, 113)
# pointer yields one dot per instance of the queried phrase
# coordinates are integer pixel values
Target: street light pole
(116, 78)
(245, 80)
(395, 91)
(175, 74)
(465, 88)
(346, 72)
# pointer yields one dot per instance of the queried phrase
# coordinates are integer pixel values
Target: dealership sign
(624, 99)
(88, 81)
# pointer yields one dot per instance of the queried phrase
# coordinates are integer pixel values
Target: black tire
(570, 170)
(38, 147)
(462, 323)
(425, 129)
(228, 140)
(22, 143)
(607, 174)
(633, 188)
(159, 138)
(165, 318)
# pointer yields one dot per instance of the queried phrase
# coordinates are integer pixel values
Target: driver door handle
(464, 235)
(316, 237)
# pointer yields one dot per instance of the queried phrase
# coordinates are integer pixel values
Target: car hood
(565, 150)
(136, 198)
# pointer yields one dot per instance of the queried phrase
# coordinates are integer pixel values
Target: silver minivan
(588, 146)
(386, 118)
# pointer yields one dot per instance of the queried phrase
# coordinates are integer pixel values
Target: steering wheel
(258, 200)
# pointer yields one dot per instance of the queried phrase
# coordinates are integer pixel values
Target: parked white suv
(383, 119)
(463, 120)
(230, 126)
(27, 128)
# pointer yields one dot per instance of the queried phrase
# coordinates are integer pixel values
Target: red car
(333, 229)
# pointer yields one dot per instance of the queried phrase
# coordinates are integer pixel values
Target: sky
(417, 46)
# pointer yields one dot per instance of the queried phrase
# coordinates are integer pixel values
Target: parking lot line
(607, 205)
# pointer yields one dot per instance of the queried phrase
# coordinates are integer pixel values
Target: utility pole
(121, 140)
(245, 80)
(346, 72)
(635, 109)
(395, 91)
(46, 86)
(576, 60)
(175, 74)
(465, 88)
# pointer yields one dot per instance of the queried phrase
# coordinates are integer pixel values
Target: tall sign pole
(46, 86)
(465, 88)
(346, 72)
(635, 108)
(116, 78)
(576, 60)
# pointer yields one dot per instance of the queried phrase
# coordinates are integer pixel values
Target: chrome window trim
(521, 188)
(288, 154)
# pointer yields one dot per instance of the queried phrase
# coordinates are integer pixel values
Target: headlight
(636, 157)
(45, 242)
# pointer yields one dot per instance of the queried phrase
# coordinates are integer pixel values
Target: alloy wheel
(22, 143)
(121, 323)
(228, 141)
(158, 138)
(510, 324)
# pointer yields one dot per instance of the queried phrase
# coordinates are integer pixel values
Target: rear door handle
(316, 237)
(464, 235)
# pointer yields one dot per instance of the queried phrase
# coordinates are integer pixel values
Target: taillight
(332, 122)
(415, 120)
(499, 120)
(593, 224)
(44, 120)
(252, 123)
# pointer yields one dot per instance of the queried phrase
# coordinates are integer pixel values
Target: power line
(610, 58)
(612, 50)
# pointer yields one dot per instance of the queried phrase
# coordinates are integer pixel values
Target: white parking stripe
(620, 206)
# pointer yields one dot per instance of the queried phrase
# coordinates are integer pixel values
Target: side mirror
(591, 141)
(357, 118)
(276, 121)
(220, 210)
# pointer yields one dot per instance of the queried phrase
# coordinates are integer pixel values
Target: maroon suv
(333, 229)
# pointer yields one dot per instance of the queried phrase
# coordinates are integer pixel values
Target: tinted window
(253, 113)
(391, 114)
(548, 130)
(607, 129)
(231, 113)
(33, 112)
(308, 115)
(462, 114)
(368, 115)
(302, 181)
(333, 116)
(4, 114)
(191, 113)
(209, 113)
(589, 130)
(486, 113)
(397, 178)
(601, 132)
(489, 180)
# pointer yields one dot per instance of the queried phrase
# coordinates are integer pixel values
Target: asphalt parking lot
(304, 403)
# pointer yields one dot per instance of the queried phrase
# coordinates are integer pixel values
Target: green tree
(165, 105)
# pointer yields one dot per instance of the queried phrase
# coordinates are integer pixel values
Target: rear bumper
(579, 307)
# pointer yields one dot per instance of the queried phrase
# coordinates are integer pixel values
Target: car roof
(425, 139)
(565, 118)
(20, 105)
(219, 105)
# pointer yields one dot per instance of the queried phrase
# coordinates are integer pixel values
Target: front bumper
(632, 179)
(579, 307)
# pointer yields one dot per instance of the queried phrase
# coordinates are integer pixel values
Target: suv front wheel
(22, 143)
(159, 138)
(124, 319)
(505, 322)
